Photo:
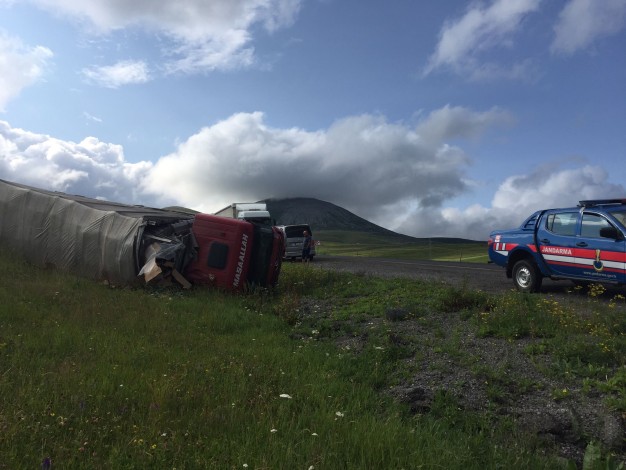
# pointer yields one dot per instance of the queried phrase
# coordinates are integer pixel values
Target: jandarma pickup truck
(586, 243)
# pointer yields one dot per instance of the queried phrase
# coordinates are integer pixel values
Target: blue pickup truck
(586, 243)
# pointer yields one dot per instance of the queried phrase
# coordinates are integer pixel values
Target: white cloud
(457, 122)
(122, 73)
(91, 118)
(363, 163)
(205, 35)
(360, 162)
(581, 22)
(464, 43)
(91, 167)
(397, 176)
(516, 198)
(227, 52)
(20, 66)
(189, 19)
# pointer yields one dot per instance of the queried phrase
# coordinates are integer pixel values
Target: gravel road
(487, 277)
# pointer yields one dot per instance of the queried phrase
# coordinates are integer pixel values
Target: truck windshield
(261, 255)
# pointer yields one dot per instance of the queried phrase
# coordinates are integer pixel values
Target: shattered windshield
(261, 255)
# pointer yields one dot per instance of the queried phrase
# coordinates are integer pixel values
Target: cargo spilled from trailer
(127, 244)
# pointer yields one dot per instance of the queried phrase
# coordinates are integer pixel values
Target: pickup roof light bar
(599, 202)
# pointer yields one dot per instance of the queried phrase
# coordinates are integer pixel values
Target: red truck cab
(234, 254)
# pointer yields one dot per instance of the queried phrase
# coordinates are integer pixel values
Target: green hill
(341, 232)
(329, 218)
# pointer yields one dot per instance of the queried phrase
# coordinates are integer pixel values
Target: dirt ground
(524, 392)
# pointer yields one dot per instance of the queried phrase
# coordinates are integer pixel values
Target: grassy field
(96, 377)
(348, 243)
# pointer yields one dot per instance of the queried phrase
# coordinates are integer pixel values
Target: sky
(441, 118)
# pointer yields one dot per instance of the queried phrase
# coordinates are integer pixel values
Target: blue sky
(447, 118)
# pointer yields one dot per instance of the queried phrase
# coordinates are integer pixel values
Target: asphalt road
(486, 277)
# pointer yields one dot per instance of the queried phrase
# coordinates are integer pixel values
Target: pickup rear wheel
(526, 276)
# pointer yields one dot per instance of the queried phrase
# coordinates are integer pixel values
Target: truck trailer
(127, 244)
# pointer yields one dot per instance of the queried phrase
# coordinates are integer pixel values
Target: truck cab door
(602, 249)
(557, 240)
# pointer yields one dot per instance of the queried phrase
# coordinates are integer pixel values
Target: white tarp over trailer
(48, 229)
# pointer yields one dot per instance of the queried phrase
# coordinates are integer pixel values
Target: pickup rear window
(563, 223)
(530, 223)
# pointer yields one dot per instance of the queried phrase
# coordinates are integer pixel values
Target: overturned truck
(126, 244)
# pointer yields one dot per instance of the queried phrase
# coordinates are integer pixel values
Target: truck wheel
(526, 276)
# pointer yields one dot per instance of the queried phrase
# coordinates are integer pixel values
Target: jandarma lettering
(556, 251)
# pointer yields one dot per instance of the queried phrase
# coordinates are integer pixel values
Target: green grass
(589, 333)
(98, 377)
(346, 243)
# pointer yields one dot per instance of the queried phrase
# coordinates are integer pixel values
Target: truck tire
(526, 276)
